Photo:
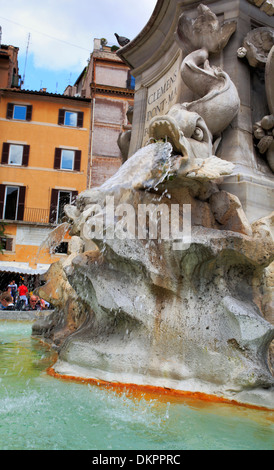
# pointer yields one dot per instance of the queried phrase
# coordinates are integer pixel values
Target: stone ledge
(18, 315)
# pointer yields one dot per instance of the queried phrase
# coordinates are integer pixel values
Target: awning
(23, 268)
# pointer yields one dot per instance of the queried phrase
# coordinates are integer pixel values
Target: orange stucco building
(44, 145)
(52, 147)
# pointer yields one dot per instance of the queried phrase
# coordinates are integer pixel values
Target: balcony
(30, 215)
(33, 215)
(36, 215)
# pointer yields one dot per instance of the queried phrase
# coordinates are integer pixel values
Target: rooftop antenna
(0, 36)
(27, 50)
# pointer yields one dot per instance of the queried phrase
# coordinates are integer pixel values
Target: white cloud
(62, 31)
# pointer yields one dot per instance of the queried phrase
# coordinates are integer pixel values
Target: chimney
(97, 44)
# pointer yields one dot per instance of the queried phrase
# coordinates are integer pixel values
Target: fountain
(168, 283)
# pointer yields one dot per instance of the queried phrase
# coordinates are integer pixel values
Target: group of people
(19, 298)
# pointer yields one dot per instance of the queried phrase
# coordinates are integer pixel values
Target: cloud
(62, 32)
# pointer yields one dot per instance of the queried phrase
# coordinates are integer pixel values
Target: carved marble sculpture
(264, 130)
(124, 137)
(203, 32)
(219, 101)
(258, 48)
(190, 318)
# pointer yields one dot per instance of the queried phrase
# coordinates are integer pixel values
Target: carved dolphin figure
(219, 100)
(190, 127)
(186, 131)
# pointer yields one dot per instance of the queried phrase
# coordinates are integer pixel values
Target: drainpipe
(93, 93)
(91, 140)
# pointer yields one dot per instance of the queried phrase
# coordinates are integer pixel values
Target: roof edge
(45, 94)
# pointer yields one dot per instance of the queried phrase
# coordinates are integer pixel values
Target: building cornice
(110, 90)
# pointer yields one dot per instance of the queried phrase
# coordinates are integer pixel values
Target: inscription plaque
(162, 95)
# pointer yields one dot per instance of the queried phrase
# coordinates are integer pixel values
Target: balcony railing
(36, 215)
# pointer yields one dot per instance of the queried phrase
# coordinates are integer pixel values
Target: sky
(55, 37)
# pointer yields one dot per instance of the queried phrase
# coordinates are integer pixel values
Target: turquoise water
(39, 412)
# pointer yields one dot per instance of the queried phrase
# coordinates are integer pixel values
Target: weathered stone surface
(256, 46)
(75, 245)
(263, 229)
(228, 211)
(187, 318)
(69, 314)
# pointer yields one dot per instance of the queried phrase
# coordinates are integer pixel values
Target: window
(59, 198)
(64, 198)
(15, 154)
(70, 118)
(66, 159)
(12, 202)
(6, 243)
(19, 112)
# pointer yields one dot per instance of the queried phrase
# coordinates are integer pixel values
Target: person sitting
(34, 303)
(7, 301)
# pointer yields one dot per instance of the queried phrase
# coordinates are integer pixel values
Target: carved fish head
(185, 130)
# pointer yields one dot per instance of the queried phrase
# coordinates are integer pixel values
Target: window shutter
(2, 199)
(53, 206)
(29, 113)
(77, 160)
(21, 203)
(9, 244)
(25, 159)
(5, 153)
(61, 117)
(10, 110)
(57, 159)
(80, 119)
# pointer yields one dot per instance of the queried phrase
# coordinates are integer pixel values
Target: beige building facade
(107, 81)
